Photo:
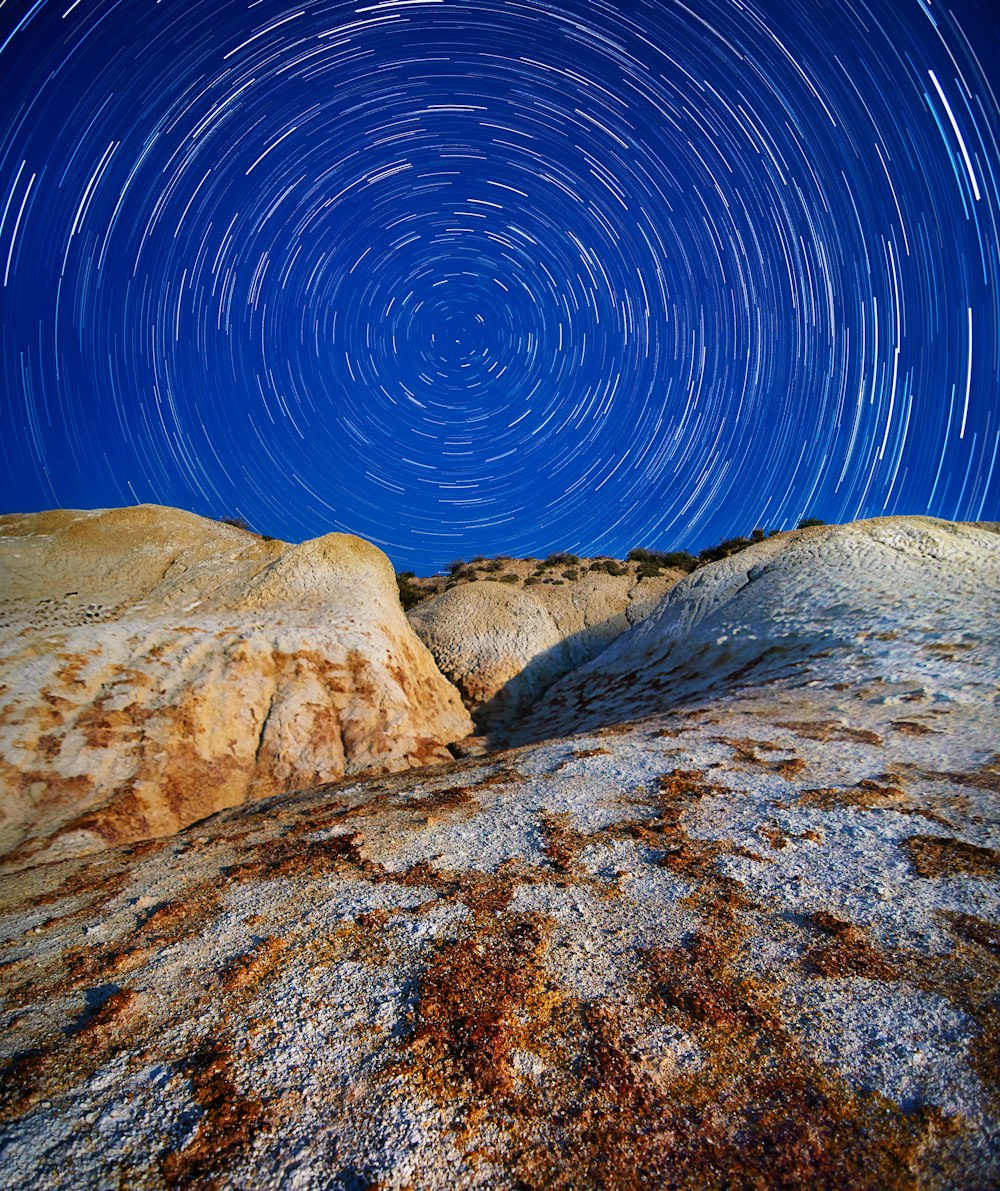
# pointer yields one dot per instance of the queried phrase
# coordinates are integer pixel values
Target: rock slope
(503, 643)
(911, 602)
(752, 945)
(157, 666)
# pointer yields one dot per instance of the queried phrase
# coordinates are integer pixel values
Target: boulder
(157, 666)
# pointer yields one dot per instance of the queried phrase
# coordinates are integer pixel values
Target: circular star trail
(501, 275)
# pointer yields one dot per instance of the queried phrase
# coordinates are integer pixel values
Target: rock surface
(157, 666)
(504, 643)
(910, 600)
(754, 945)
(751, 943)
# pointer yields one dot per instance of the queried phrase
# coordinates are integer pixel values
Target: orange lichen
(934, 857)
(231, 1120)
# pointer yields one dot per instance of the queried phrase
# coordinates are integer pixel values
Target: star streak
(501, 275)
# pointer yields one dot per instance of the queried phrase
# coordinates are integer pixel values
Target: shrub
(570, 574)
(681, 560)
(724, 549)
(409, 595)
(610, 566)
(508, 578)
(806, 522)
(562, 560)
(235, 522)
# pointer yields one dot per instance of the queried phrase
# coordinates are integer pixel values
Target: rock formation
(905, 604)
(503, 643)
(750, 942)
(157, 666)
(754, 946)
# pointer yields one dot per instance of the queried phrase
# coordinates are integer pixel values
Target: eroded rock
(157, 666)
(908, 606)
(503, 644)
(646, 957)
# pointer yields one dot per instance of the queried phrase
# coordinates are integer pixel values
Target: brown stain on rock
(249, 968)
(473, 999)
(827, 730)
(885, 794)
(912, 728)
(755, 1112)
(846, 951)
(231, 1119)
(935, 857)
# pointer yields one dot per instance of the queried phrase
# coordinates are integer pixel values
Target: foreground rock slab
(156, 666)
(751, 945)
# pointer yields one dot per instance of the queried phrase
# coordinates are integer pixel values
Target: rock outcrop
(909, 606)
(157, 666)
(504, 643)
(751, 942)
(752, 946)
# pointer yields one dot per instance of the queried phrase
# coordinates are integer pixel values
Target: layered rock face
(908, 604)
(503, 644)
(157, 666)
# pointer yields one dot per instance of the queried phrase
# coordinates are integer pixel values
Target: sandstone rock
(503, 644)
(157, 666)
(753, 946)
(897, 604)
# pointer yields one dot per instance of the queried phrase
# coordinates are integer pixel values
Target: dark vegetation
(409, 596)
(236, 522)
(562, 566)
(244, 524)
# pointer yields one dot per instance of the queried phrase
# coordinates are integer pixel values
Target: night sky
(482, 276)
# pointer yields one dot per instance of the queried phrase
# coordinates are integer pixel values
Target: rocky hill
(505, 630)
(900, 607)
(157, 666)
(749, 939)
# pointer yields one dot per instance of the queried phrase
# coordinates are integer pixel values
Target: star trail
(495, 276)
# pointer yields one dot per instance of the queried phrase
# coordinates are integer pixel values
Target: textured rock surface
(157, 666)
(750, 946)
(750, 943)
(909, 600)
(503, 644)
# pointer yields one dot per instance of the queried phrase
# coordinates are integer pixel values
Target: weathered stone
(749, 943)
(157, 666)
(504, 644)
(908, 601)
